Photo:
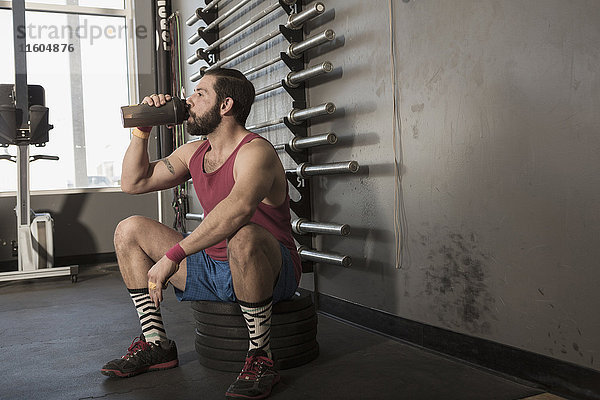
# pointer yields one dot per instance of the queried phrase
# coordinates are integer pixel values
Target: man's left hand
(158, 275)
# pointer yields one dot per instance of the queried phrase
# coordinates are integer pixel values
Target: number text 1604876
(49, 47)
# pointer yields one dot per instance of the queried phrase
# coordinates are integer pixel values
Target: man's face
(205, 113)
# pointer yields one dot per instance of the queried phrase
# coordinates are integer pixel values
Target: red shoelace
(253, 367)
(137, 344)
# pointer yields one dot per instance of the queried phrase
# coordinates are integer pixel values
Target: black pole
(22, 108)
(162, 11)
(21, 93)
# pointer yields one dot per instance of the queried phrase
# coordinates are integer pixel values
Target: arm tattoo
(169, 166)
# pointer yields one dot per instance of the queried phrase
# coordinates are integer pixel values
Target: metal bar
(195, 37)
(194, 18)
(333, 168)
(265, 124)
(22, 105)
(296, 49)
(298, 144)
(248, 23)
(21, 89)
(211, 5)
(132, 67)
(293, 51)
(300, 19)
(296, 116)
(261, 66)
(68, 9)
(226, 14)
(23, 193)
(196, 76)
(243, 50)
(43, 273)
(303, 226)
(294, 78)
(197, 14)
(304, 170)
(194, 217)
(295, 21)
(195, 57)
(268, 88)
(322, 257)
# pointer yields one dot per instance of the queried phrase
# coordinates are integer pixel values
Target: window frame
(128, 13)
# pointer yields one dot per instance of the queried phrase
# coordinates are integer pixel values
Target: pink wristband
(176, 254)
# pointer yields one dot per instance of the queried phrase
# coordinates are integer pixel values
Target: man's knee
(126, 231)
(243, 245)
(252, 242)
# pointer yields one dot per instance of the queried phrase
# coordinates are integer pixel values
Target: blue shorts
(209, 279)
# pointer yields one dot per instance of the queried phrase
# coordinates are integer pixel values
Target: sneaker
(143, 357)
(256, 379)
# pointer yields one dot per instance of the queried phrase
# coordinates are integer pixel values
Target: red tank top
(213, 187)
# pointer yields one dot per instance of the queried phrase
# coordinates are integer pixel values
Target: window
(118, 4)
(82, 62)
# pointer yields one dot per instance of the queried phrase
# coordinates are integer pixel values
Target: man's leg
(139, 243)
(255, 262)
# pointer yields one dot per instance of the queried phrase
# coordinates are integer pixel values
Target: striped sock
(258, 321)
(150, 318)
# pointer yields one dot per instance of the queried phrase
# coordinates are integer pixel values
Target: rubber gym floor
(55, 336)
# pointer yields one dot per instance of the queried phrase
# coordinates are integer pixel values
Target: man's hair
(232, 83)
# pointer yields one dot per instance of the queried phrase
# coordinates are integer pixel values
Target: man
(243, 250)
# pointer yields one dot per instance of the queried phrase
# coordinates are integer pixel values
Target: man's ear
(227, 105)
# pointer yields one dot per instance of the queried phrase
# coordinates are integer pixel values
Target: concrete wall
(84, 223)
(498, 205)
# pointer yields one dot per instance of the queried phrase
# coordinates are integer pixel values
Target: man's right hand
(156, 99)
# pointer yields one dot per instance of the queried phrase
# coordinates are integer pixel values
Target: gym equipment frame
(23, 122)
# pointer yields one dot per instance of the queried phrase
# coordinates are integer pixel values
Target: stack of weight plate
(222, 336)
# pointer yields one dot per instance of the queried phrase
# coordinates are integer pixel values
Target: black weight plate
(298, 302)
(216, 307)
(238, 320)
(240, 355)
(241, 332)
(242, 344)
(220, 342)
(219, 319)
(284, 363)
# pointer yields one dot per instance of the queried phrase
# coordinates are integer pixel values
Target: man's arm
(139, 175)
(254, 172)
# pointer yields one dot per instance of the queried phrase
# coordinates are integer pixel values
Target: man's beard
(205, 124)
